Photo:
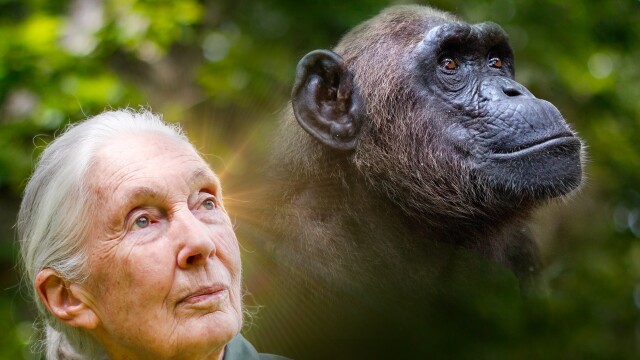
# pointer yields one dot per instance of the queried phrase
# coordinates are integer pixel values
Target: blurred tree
(226, 67)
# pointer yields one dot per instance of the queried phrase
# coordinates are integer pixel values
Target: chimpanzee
(403, 175)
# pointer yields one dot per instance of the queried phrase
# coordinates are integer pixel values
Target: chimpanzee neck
(480, 225)
(501, 237)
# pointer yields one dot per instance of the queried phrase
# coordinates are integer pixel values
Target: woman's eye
(449, 63)
(495, 62)
(209, 204)
(142, 222)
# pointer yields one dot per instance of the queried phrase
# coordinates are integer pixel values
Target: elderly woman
(128, 247)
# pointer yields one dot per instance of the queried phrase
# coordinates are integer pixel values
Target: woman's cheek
(150, 273)
(148, 258)
(228, 249)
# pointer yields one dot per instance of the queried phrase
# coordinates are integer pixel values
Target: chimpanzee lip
(537, 145)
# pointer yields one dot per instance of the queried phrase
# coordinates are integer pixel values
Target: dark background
(224, 69)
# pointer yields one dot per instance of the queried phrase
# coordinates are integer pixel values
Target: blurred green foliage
(225, 67)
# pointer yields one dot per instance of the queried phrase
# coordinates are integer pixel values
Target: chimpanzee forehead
(482, 36)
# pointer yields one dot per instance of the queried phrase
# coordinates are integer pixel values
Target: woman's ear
(66, 301)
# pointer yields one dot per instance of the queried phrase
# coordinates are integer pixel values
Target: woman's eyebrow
(136, 194)
(204, 176)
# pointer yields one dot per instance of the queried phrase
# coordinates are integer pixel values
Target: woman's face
(163, 258)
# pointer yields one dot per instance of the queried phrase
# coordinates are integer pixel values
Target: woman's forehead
(154, 161)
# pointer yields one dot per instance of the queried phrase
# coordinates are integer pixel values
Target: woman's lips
(206, 297)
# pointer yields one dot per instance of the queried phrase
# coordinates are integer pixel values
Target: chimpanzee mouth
(560, 139)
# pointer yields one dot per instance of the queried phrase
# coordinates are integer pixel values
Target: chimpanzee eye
(495, 62)
(448, 63)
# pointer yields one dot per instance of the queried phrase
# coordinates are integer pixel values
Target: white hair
(52, 224)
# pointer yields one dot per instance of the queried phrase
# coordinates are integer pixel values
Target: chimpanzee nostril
(511, 92)
(499, 88)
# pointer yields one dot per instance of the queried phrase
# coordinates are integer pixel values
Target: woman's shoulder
(241, 349)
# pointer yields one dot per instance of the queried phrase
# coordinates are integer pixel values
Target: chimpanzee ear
(324, 100)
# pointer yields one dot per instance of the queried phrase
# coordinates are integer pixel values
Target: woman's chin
(212, 329)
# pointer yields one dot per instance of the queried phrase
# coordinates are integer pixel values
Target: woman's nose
(196, 243)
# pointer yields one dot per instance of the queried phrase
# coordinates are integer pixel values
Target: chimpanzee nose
(501, 88)
(511, 91)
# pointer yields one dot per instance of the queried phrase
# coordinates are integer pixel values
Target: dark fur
(368, 240)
